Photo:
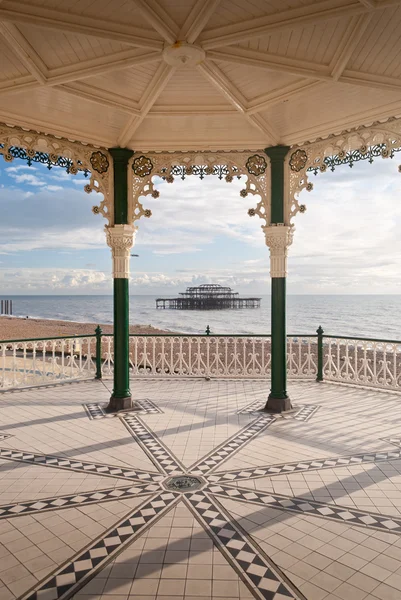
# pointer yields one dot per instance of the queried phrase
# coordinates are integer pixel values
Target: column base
(116, 404)
(278, 405)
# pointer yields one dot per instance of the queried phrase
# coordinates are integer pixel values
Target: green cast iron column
(278, 400)
(121, 396)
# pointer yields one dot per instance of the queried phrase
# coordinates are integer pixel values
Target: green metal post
(98, 333)
(278, 400)
(121, 396)
(319, 332)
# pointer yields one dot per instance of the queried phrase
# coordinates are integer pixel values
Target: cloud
(46, 280)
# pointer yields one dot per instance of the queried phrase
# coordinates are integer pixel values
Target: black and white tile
(4, 436)
(72, 576)
(96, 411)
(308, 465)
(306, 412)
(158, 453)
(60, 462)
(260, 574)
(77, 500)
(231, 446)
(344, 514)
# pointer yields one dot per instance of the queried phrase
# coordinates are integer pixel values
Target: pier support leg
(278, 237)
(120, 238)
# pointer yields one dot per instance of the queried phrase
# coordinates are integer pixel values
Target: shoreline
(18, 328)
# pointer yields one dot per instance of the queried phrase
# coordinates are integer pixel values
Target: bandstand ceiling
(198, 74)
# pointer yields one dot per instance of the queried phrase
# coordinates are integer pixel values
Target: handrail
(361, 339)
(49, 339)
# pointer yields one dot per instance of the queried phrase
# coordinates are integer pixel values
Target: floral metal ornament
(298, 160)
(99, 162)
(142, 166)
(302, 208)
(243, 193)
(256, 165)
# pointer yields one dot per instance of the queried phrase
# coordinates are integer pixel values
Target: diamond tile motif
(77, 465)
(235, 443)
(308, 465)
(72, 576)
(96, 411)
(57, 502)
(306, 412)
(310, 507)
(158, 453)
(4, 436)
(246, 557)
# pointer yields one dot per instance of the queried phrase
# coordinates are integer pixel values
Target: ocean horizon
(352, 315)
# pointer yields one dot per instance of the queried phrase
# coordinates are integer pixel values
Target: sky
(347, 242)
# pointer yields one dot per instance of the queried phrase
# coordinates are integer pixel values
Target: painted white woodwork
(121, 238)
(283, 71)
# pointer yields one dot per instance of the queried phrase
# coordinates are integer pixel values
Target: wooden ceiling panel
(130, 83)
(10, 65)
(192, 132)
(187, 87)
(379, 50)
(59, 49)
(234, 11)
(59, 112)
(119, 11)
(253, 82)
(320, 113)
(315, 43)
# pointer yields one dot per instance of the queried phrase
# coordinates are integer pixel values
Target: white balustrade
(38, 362)
(371, 363)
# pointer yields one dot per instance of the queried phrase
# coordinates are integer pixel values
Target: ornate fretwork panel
(363, 143)
(74, 157)
(253, 169)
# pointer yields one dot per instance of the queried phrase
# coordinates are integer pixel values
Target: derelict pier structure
(208, 296)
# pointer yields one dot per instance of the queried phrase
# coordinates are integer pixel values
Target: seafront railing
(25, 363)
(356, 361)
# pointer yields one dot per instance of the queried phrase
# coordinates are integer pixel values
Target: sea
(362, 316)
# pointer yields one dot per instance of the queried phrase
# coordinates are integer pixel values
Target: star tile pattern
(96, 410)
(272, 545)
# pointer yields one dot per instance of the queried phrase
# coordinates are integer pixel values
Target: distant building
(208, 296)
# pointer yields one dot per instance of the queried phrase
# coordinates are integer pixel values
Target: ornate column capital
(278, 237)
(121, 238)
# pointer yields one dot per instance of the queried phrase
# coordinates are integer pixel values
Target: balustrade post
(319, 332)
(98, 333)
(278, 237)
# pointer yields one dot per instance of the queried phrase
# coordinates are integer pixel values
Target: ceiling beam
(155, 88)
(101, 97)
(24, 12)
(158, 18)
(368, 80)
(281, 95)
(23, 49)
(84, 69)
(351, 38)
(213, 74)
(287, 19)
(369, 3)
(255, 58)
(197, 19)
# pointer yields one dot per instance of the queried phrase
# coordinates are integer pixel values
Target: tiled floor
(302, 507)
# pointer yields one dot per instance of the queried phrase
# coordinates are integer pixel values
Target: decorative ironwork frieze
(99, 162)
(201, 171)
(50, 160)
(142, 166)
(368, 153)
(256, 165)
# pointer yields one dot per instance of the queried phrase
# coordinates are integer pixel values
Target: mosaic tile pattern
(158, 453)
(267, 574)
(306, 412)
(261, 575)
(96, 411)
(228, 448)
(77, 465)
(343, 514)
(71, 577)
(312, 465)
(57, 502)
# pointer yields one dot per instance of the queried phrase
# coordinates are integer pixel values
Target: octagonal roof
(198, 74)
